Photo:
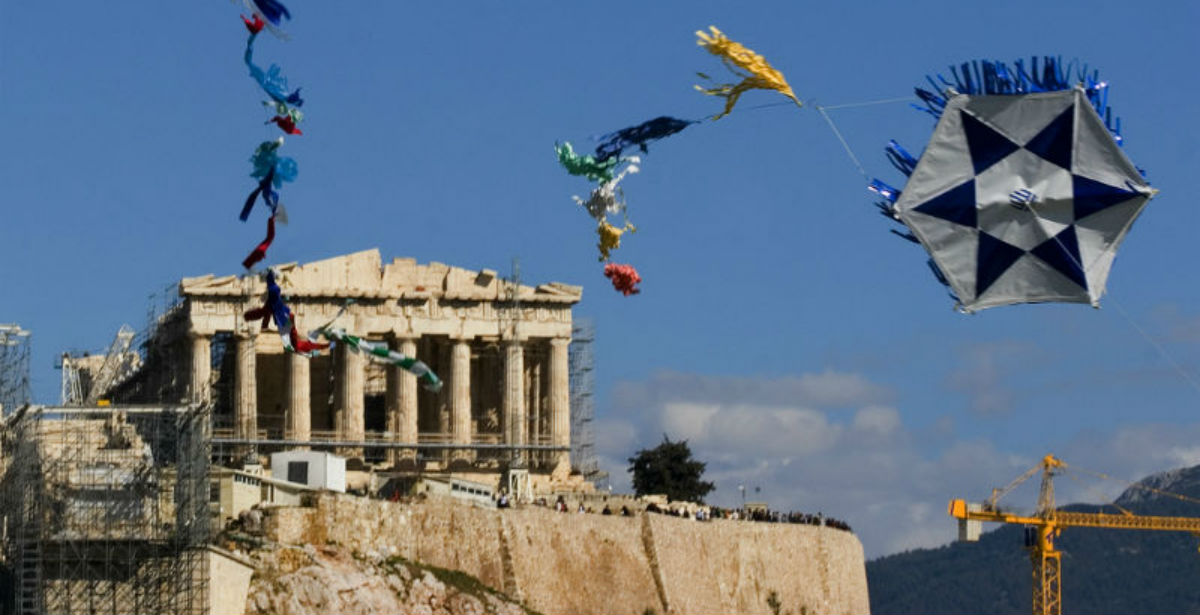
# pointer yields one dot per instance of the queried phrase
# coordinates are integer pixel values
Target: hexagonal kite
(1019, 197)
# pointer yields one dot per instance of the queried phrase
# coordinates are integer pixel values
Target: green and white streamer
(429, 380)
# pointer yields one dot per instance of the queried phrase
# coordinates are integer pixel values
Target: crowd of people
(693, 511)
(773, 516)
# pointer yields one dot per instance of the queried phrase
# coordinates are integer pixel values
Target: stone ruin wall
(579, 563)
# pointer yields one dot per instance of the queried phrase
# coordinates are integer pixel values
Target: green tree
(669, 469)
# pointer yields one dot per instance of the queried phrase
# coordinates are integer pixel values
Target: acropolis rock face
(587, 563)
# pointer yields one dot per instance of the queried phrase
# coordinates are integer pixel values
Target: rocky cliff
(331, 579)
(581, 563)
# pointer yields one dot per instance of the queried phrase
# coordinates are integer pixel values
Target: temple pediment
(363, 275)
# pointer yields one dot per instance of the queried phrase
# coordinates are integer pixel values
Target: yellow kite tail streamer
(762, 76)
(610, 237)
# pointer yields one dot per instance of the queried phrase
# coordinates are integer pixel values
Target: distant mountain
(1103, 571)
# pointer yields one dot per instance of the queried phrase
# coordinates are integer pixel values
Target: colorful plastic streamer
(271, 170)
(610, 237)
(275, 309)
(273, 11)
(271, 81)
(624, 278)
(586, 166)
(260, 251)
(254, 23)
(286, 124)
(614, 143)
(755, 72)
(429, 380)
(287, 118)
(608, 198)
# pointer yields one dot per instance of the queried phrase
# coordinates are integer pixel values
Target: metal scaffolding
(105, 510)
(583, 406)
(14, 368)
(156, 374)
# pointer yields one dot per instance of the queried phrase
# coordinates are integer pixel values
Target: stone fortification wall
(580, 563)
(731, 566)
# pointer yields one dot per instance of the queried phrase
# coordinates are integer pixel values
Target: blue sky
(798, 346)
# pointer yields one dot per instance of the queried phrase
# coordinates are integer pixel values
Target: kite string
(845, 145)
(1157, 346)
(1189, 378)
(870, 103)
(837, 133)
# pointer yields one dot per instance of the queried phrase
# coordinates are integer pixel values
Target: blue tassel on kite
(886, 208)
(900, 158)
(883, 190)
(614, 143)
(994, 78)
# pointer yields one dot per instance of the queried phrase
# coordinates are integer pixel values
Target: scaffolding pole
(14, 368)
(583, 405)
(107, 509)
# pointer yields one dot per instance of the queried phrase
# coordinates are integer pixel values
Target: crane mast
(1044, 526)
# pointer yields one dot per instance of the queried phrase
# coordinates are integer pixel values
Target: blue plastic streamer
(272, 10)
(614, 143)
(271, 81)
(269, 196)
(271, 170)
(267, 161)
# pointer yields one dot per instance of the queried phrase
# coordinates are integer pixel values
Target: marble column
(298, 417)
(402, 404)
(560, 398)
(201, 391)
(533, 400)
(514, 397)
(460, 402)
(245, 391)
(349, 411)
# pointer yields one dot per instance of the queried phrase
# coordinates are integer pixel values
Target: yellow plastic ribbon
(761, 75)
(610, 237)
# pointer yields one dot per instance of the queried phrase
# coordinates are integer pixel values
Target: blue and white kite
(1023, 194)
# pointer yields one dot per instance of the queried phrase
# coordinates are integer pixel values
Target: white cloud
(889, 480)
(687, 421)
(877, 420)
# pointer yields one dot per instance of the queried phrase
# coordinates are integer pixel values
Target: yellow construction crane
(1045, 524)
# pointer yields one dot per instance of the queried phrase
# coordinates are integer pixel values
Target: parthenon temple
(501, 349)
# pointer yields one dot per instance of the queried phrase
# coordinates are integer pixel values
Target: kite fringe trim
(986, 77)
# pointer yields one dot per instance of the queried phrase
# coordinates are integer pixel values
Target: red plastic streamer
(303, 345)
(260, 251)
(253, 25)
(624, 278)
(286, 124)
